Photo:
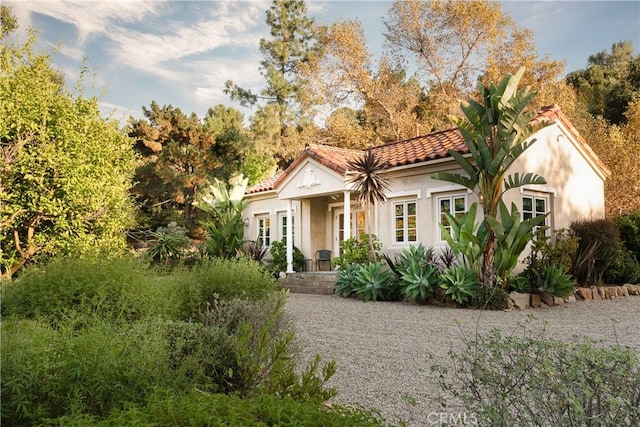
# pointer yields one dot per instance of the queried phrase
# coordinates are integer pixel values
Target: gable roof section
(553, 113)
(411, 151)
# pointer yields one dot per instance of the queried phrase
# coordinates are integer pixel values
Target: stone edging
(518, 301)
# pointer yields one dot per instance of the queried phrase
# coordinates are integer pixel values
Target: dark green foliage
(527, 380)
(629, 227)
(598, 240)
(459, 284)
(205, 409)
(346, 280)
(357, 251)
(278, 261)
(490, 298)
(118, 290)
(624, 267)
(373, 282)
(545, 252)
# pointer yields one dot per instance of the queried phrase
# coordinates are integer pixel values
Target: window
(264, 231)
(534, 206)
(283, 222)
(405, 222)
(454, 205)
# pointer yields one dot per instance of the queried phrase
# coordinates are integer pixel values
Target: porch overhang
(312, 179)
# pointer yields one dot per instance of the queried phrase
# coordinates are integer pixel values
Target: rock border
(520, 301)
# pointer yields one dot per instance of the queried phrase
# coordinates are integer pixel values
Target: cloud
(210, 76)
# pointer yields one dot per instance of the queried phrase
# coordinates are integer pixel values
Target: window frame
(533, 212)
(451, 197)
(266, 239)
(283, 228)
(405, 221)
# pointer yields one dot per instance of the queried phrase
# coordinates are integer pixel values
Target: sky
(182, 52)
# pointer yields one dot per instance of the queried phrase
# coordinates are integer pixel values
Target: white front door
(357, 220)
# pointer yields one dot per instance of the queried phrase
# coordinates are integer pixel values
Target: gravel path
(381, 347)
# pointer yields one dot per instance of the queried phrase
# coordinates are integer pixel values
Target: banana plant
(496, 130)
(224, 226)
(467, 238)
(512, 235)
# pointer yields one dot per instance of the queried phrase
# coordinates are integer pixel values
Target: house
(314, 202)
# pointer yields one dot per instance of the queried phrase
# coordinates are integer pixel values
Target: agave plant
(346, 280)
(168, 244)
(372, 281)
(556, 281)
(459, 284)
(418, 280)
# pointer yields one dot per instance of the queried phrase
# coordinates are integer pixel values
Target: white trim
(331, 206)
(278, 210)
(538, 189)
(438, 213)
(405, 193)
(447, 189)
(262, 213)
(405, 229)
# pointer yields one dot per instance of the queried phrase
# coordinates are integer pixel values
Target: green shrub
(544, 251)
(49, 372)
(356, 251)
(629, 227)
(373, 282)
(459, 284)
(346, 280)
(624, 267)
(486, 298)
(118, 290)
(201, 356)
(278, 262)
(525, 380)
(222, 278)
(205, 409)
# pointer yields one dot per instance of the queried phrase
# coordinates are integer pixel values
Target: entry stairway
(317, 282)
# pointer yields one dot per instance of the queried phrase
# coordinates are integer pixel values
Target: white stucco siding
(575, 186)
(268, 206)
(417, 185)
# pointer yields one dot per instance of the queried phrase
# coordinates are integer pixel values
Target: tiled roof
(266, 185)
(410, 151)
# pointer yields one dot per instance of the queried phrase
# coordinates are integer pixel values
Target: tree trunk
(488, 276)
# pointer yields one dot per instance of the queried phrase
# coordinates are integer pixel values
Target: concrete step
(319, 283)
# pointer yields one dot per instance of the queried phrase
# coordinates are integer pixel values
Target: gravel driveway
(381, 347)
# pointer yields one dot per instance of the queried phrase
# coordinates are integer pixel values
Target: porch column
(347, 215)
(289, 237)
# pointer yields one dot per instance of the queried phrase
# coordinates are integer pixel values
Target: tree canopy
(66, 171)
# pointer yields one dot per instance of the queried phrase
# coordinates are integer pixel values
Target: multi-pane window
(284, 228)
(264, 231)
(454, 205)
(405, 222)
(534, 206)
